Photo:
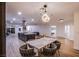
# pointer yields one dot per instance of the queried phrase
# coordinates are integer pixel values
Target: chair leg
(58, 52)
(55, 54)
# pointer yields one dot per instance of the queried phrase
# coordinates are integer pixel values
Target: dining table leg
(39, 53)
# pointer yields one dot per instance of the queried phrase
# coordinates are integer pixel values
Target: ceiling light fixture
(43, 11)
(61, 20)
(45, 18)
(19, 13)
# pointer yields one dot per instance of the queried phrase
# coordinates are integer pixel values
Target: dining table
(41, 43)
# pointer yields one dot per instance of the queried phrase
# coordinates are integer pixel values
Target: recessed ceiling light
(32, 20)
(11, 21)
(19, 13)
(14, 19)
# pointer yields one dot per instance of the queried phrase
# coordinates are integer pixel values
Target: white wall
(60, 30)
(76, 30)
(40, 28)
(71, 37)
(71, 31)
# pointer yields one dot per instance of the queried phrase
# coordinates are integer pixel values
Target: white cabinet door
(76, 21)
(76, 31)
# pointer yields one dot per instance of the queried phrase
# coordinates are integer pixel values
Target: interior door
(2, 30)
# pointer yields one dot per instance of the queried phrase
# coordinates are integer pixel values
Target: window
(28, 28)
(19, 29)
(67, 29)
(53, 29)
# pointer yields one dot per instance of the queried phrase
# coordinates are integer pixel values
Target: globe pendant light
(45, 18)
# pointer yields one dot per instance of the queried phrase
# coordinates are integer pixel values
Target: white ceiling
(55, 10)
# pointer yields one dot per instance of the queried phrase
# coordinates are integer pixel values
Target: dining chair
(58, 44)
(49, 51)
(26, 52)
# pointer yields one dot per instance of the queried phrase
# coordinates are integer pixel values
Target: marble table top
(40, 43)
